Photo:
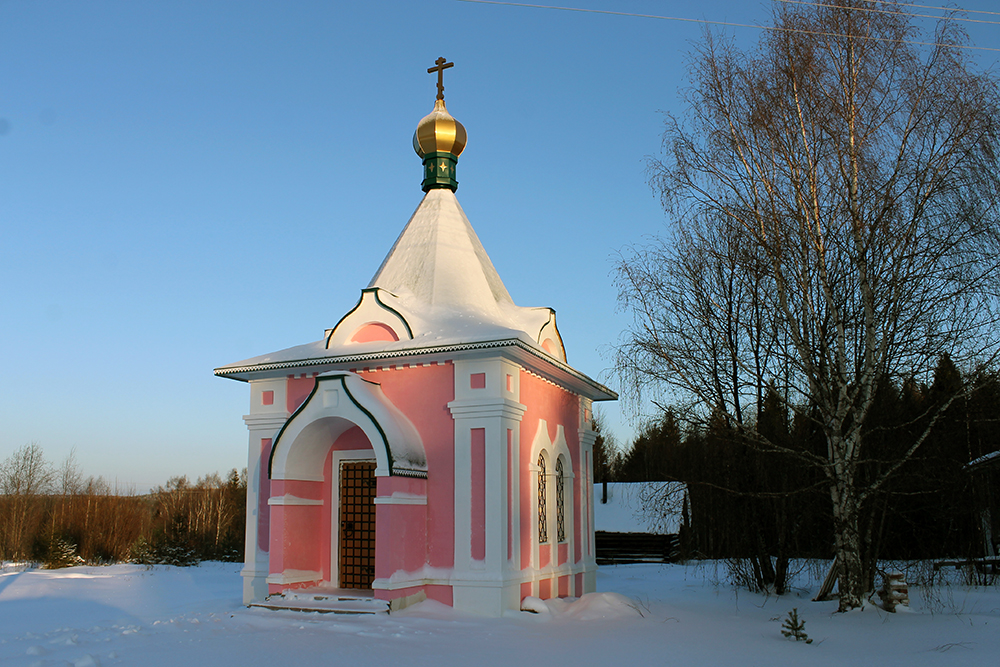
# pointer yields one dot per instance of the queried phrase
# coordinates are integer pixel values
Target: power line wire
(891, 12)
(943, 9)
(728, 23)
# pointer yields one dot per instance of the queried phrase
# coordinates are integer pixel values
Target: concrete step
(326, 601)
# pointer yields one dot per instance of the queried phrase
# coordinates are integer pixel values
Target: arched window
(543, 528)
(560, 503)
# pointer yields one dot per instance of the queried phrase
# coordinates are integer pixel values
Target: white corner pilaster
(486, 397)
(267, 415)
(587, 439)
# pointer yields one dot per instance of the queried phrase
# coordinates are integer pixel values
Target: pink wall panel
(302, 534)
(478, 500)
(440, 593)
(324, 531)
(297, 488)
(557, 407)
(297, 390)
(412, 485)
(400, 538)
(300, 539)
(351, 439)
(373, 331)
(423, 393)
(580, 513)
(276, 561)
(263, 509)
(510, 498)
(400, 530)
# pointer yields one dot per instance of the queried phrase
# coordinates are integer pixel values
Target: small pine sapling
(795, 627)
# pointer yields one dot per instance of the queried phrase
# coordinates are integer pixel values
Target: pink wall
(295, 522)
(407, 536)
(478, 500)
(400, 530)
(442, 594)
(581, 527)
(510, 493)
(423, 393)
(297, 390)
(327, 520)
(300, 535)
(263, 509)
(373, 331)
(290, 523)
(557, 407)
(426, 532)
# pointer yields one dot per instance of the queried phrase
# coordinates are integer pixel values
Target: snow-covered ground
(160, 616)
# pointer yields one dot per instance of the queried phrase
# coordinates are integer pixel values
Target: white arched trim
(372, 309)
(550, 340)
(551, 451)
(339, 401)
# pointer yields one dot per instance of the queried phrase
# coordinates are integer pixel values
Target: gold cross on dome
(441, 67)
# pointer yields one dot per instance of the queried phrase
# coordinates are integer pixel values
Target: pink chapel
(434, 444)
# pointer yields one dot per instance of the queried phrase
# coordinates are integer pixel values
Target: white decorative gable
(371, 320)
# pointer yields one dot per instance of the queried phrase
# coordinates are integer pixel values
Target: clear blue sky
(188, 184)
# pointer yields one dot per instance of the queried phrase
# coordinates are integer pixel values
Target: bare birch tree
(25, 476)
(833, 201)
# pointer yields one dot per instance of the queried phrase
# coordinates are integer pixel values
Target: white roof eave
(526, 352)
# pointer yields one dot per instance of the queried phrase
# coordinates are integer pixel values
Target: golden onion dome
(438, 131)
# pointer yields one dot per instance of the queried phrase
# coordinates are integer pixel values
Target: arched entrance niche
(323, 469)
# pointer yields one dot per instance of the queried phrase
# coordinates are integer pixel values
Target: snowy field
(160, 616)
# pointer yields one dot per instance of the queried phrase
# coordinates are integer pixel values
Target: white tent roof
(439, 260)
(437, 290)
(439, 272)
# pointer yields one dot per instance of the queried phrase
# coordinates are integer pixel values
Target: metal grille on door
(357, 524)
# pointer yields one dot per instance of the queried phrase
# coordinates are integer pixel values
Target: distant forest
(51, 514)
(744, 501)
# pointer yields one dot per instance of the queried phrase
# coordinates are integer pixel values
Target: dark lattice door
(357, 524)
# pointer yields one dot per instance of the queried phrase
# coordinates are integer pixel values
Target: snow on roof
(438, 271)
(438, 278)
(439, 259)
(639, 507)
(317, 353)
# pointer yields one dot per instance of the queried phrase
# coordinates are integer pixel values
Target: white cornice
(539, 362)
(487, 407)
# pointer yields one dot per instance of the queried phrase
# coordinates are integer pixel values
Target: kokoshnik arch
(434, 444)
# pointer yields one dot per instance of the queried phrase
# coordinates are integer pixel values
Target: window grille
(543, 529)
(560, 503)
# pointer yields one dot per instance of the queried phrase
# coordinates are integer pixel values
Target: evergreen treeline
(762, 505)
(54, 516)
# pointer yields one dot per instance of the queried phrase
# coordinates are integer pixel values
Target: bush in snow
(794, 627)
(61, 553)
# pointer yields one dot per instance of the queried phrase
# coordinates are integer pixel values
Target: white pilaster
(263, 422)
(486, 397)
(587, 439)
